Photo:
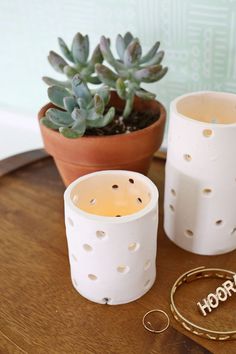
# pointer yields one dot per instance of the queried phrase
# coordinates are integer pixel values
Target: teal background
(198, 36)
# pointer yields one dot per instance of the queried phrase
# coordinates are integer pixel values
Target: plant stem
(128, 105)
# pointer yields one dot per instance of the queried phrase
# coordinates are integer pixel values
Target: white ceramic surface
(111, 225)
(200, 185)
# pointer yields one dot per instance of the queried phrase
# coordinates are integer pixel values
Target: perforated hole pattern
(187, 157)
(100, 234)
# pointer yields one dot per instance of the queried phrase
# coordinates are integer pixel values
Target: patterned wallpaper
(199, 37)
(200, 41)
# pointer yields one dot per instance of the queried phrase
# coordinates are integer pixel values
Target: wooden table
(40, 310)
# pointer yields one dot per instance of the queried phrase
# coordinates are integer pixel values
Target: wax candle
(200, 186)
(111, 225)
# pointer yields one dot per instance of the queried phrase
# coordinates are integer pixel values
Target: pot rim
(153, 190)
(158, 122)
(173, 108)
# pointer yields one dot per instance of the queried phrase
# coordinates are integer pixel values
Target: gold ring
(150, 328)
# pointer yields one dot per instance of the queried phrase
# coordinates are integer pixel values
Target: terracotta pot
(133, 151)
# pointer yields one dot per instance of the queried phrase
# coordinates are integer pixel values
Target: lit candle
(200, 186)
(111, 224)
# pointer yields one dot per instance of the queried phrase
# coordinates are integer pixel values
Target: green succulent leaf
(70, 71)
(56, 94)
(147, 72)
(120, 46)
(157, 59)
(49, 81)
(65, 50)
(47, 123)
(106, 51)
(93, 80)
(107, 54)
(132, 53)
(128, 37)
(109, 116)
(84, 112)
(104, 93)
(102, 121)
(124, 73)
(155, 75)
(82, 103)
(146, 95)
(150, 54)
(79, 125)
(69, 103)
(98, 104)
(86, 46)
(106, 75)
(96, 56)
(69, 133)
(128, 105)
(86, 71)
(59, 118)
(92, 116)
(80, 48)
(57, 62)
(81, 89)
(121, 88)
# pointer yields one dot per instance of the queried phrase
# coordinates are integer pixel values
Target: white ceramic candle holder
(111, 225)
(200, 185)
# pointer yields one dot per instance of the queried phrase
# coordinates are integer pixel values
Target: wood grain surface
(40, 312)
(12, 163)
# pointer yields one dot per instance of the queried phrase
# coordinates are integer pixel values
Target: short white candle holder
(200, 185)
(111, 225)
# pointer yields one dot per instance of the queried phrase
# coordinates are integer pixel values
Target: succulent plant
(77, 107)
(82, 108)
(131, 69)
(78, 56)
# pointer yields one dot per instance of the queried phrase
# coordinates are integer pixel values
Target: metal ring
(152, 329)
(191, 275)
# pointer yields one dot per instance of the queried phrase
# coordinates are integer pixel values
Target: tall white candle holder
(200, 185)
(111, 225)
